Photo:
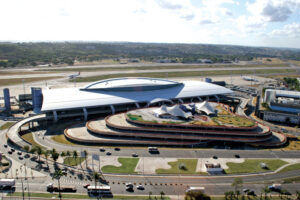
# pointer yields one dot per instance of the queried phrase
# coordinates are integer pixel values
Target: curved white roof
(72, 98)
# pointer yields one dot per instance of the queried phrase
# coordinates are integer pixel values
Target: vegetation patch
(181, 166)
(186, 74)
(292, 180)
(293, 145)
(290, 168)
(28, 137)
(71, 161)
(62, 139)
(6, 125)
(127, 166)
(15, 81)
(80, 196)
(254, 166)
(234, 121)
(139, 118)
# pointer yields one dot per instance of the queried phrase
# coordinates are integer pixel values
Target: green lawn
(6, 125)
(28, 137)
(291, 180)
(15, 81)
(189, 163)
(82, 196)
(186, 74)
(72, 161)
(291, 168)
(127, 166)
(253, 166)
(161, 67)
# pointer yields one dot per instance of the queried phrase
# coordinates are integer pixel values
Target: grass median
(186, 74)
(28, 137)
(290, 168)
(6, 125)
(127, 166)
(81, 196)
(71, 161)
(181, 166)
(16, 81)
(254, 166)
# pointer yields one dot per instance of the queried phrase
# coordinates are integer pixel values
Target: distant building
(208, 61)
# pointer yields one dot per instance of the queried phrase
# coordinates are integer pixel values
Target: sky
(269, 23)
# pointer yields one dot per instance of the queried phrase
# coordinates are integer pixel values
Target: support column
(180, 100)
(55, 118)
(85, 114)
(199, 98)
(218, 99)
(112, 109)
(137, 105)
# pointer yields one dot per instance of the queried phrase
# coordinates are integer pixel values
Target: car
(129, 185)
(251, 193)
(86, 185)
(215, 157)
(117, 149)
(20, 157)
(135, 155)
(237, 155)
(13, 150)
(19, 153)
(102, 149)
(26, 155)
(108, 153)
(9, 152)
(245, 190)
(140, 187)
(5, 145)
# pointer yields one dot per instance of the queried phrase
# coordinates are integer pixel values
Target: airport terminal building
(122, 94)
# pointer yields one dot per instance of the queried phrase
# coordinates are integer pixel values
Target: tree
(266, 191)
(96, 176)
(237, 184)
(229, 195)
(75, 155)
(46, 154)
(162, 194)
(57, 175)
(297, 195)
(85, 156)
(150, 193)
(26, 148)
(54, 155)
(39, 152)
(196, 195)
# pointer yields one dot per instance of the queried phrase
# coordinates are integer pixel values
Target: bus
(153, 149)
(195, 189)
(99, 190)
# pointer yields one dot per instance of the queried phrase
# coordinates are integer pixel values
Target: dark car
(5, 145)
(102, 149)
(215, 157)
(237, 155)
(117, 149)
(135, 155)
(108, 153)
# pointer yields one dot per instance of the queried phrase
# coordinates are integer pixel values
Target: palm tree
(39, 152)
(63, 154)
(297, 195)
(75, 155)
(237, 183)
(162, 194)
(46, 154)
(266, 191)
(150, 193)
(85, 157)
(57, 175)
(96, 176)
(54, 155)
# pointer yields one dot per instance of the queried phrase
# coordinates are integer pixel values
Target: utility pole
(23, 86)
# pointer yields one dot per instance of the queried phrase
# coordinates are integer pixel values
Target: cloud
(170, 4)
(289, 30)
(206, 21)
(277, 13)
(188, 17)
